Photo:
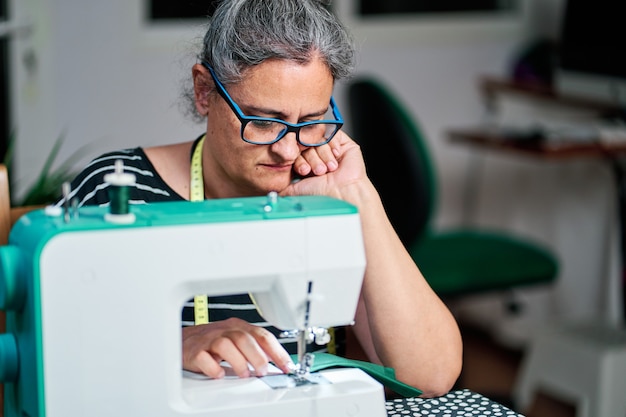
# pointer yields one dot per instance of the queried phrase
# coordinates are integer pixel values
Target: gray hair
(245, 33)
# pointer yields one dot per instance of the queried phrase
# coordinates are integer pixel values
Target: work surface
(463, 403)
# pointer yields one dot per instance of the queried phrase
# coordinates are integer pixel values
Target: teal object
(21, 354)
(9, 358)
(12, 288)
(455, 262)
(384, 375)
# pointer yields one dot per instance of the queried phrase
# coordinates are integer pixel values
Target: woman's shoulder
(131, 157)
(90, 188)
(173, 164)
(134, 160)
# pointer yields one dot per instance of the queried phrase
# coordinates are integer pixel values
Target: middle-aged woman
(266, 69)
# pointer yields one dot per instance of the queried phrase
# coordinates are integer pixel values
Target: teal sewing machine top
(39, 223)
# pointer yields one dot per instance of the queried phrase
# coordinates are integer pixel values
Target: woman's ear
(202, 86)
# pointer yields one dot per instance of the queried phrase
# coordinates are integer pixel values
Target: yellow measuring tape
(196, 193)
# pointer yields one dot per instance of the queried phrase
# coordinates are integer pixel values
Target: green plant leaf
(46, 188)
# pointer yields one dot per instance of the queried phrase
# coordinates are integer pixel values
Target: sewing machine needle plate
(290, 381)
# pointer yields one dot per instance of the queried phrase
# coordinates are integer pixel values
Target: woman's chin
(276, 186)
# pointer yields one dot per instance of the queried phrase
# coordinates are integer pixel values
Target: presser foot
(300, 375)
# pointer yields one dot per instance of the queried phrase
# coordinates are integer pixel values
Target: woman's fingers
(235, 341)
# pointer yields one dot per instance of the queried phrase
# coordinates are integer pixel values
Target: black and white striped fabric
(89, 187)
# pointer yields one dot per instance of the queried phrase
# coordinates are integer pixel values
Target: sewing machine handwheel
(8, 358)
(12, 285)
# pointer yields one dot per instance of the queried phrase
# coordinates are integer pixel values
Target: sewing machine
(94, 306)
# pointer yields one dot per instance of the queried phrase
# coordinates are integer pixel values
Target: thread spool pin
(66, 189)
(272, 201)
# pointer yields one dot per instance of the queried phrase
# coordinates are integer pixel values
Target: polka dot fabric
(463, 403)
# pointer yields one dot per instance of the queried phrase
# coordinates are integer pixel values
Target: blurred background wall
(97, 74)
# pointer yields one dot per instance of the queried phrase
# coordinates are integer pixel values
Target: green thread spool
(119, 194)
(119, 199)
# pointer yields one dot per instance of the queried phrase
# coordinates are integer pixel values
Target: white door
(11, 28)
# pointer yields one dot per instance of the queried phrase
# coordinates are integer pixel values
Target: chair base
(580, 363)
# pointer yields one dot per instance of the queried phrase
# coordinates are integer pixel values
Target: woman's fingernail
(304, 170)
(291, 366)
(319, 169)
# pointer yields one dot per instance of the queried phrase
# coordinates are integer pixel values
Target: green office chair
(454, 262)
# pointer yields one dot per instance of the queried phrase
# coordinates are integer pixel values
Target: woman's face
(278, 89)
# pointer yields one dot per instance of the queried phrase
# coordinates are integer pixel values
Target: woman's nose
(287, 147)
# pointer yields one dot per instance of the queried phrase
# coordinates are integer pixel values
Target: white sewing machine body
(95, 308)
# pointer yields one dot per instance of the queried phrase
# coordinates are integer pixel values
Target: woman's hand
(332, 169)
(316, 160)
(235, 341)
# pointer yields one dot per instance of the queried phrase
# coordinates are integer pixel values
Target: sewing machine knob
(322, 336)
(8, 358)
(272, 201)
(12, 285)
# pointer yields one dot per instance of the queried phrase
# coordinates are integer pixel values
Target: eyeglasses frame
(290, 127)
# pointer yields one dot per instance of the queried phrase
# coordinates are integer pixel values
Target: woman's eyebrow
(277, 114)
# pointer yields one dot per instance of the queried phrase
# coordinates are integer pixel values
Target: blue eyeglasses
(267, 130)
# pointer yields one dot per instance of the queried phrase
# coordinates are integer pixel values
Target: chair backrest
(5, 206)
(9, 215)
(5, 227)
(396, 155)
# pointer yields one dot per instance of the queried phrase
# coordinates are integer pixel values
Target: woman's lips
(278, 167)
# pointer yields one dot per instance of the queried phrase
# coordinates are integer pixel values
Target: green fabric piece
(386, 376)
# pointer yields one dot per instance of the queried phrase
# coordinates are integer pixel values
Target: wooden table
(535, 144)
(532, 144)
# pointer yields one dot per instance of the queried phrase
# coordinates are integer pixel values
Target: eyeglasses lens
(265, 131)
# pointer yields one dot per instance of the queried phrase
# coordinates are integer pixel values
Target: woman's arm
(401, 323)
